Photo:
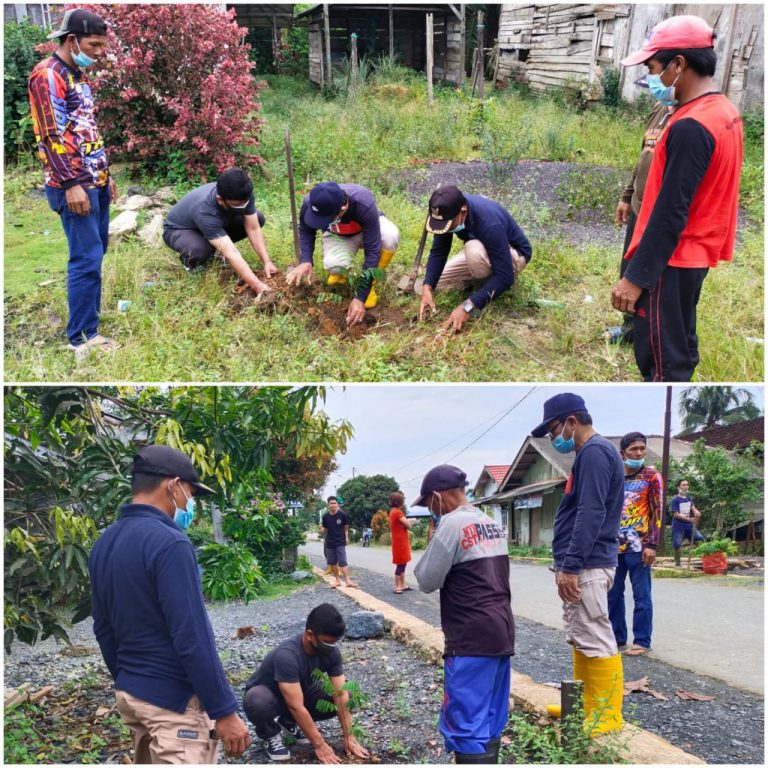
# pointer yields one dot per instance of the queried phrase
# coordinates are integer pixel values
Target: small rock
(135, 189)
(364, 624)
(124, 224)
(301, 575)
(736, 743)
(45, 282)
(164, 195)
(153, 229)
(134, 203)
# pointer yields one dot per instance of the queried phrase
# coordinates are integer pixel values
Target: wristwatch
(468, 307)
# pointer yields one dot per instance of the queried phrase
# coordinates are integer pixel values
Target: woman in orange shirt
(400, 528)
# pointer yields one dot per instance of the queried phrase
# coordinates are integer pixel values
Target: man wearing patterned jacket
(467, 561)
(639, 536)
(77, 181)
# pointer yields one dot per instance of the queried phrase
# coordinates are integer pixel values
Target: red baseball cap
(671, 34)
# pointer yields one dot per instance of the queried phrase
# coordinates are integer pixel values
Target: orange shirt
(401, 541)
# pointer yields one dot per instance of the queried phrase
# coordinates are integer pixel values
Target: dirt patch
(325, 306)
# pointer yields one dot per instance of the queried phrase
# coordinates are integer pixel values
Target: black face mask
(324, 649)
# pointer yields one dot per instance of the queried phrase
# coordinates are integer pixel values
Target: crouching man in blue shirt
(151, 624)
(585, 545)
(495, 249)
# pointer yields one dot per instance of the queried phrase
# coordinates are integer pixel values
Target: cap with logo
(440, 478)
(444, 206)
(81, 22)
(558, 407)
(676, 33)
(325, 201)
(168, 462)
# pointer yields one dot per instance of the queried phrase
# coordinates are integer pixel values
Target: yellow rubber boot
(580, 672)
(384, 261)
(604, 694)
(336, 280)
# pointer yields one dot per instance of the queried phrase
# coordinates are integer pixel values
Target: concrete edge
(644, 747)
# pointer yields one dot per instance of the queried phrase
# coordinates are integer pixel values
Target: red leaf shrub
(175, 91)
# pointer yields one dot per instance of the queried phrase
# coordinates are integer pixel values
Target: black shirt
(334, 526)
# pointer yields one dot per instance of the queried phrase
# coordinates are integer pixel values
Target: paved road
(711, 627)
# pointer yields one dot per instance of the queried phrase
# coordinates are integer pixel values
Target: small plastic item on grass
(123, 305)
(548, 304)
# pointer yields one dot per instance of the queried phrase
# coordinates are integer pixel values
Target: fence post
(571, 703)
(430, 56)
(353, 65)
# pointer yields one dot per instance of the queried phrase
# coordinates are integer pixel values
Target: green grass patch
(190, 327)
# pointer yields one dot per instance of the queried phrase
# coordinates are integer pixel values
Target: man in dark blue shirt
(151, 624)
(495, 248)
(585, 545)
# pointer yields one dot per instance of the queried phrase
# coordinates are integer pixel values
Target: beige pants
(469, 265)
(338, 251)
(587, 626)
(163, 736)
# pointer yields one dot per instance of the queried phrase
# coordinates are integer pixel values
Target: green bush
(715, 545)
(200, 534)
(19, 58)
(230, 572)
(609, 84)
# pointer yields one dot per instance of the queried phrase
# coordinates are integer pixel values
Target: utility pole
(665, 462)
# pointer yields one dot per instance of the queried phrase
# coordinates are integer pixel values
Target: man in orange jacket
(687, 222)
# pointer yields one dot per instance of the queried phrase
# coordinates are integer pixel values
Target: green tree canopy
(365, 494)
(705, 407)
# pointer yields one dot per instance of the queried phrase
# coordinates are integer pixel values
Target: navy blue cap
(165, 461)
(440, 478)
(325, 201)
(556, 407)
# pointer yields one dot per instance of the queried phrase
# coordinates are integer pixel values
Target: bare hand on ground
(234, 735)
(622, 213)
(326, 755)
(297, 274)
(568, 587)
(77, 200)
(356, 312)
(270, 269)
(456, 319)
(427, 303)
(353, 748)
(624, 295)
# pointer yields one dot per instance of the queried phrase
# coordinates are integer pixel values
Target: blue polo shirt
(586, 529)
(495, 228)
(149, 616)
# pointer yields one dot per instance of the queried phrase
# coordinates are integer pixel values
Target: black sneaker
(292, 729)
(276, 750)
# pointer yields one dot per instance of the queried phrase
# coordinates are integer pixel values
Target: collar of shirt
(74, 70)
(145, 510)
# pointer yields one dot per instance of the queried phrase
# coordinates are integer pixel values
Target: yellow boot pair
(373, 299)
(603, 680)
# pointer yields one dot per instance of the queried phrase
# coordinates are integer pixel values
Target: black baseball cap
(168, 462)
(444, 206)
(556, 407)
(81, 22)
(440, 478)
(325, 201)
(234, 184)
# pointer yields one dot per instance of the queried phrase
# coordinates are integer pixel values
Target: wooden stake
(430, 56)
(292, 192)
(481, 54)
(327, 22)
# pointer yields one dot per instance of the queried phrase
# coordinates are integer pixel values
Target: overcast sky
(404, 430)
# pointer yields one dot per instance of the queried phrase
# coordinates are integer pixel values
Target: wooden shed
(546, 46)
(388, 30)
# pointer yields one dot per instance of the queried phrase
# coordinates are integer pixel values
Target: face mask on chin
(561, 445)
(634, 463)
(81, 59)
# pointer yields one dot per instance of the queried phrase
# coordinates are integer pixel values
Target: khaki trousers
(164, 736)
(469, 265)
(587, 626)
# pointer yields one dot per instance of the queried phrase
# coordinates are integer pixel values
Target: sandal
(102, 343)
(636, 650)
(397, 591)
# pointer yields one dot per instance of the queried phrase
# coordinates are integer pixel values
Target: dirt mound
(325, 307)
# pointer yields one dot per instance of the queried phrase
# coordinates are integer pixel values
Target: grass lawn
(195, 328)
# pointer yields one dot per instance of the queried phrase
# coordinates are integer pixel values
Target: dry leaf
(242, 632)
(690, 696)
(103, 711)
(641, 686)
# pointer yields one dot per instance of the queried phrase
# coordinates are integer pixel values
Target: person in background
(400, 528)
(685, 520)
(336, 532)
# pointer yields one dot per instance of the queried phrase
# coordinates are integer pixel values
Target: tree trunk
(218, 524)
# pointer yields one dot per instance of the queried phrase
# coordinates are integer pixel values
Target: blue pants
(642, 618)
(87, 237)
(679, 535)
(476, 702)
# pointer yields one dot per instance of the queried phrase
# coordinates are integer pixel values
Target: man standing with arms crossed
(585, 544)
(336, 530)
(77, 181)
(467, 560)
(150, 620)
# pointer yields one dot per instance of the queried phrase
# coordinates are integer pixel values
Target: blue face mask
(561, 445)
(81, 59)
(663, 93)
(184, 517)
(458, 229)
(435, 517)
(634, 463)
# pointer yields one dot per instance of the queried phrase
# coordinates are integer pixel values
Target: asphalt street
(712, 626)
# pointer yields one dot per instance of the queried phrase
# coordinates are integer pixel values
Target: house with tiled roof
(733, 437)
(486, 485)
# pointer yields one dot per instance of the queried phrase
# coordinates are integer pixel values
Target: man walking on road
(283, 694)
(336, 531)
(467, 561)
(77, 181)
(585, 547)
(639, 536)
(150, 620)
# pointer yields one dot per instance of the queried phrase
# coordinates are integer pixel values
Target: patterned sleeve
(47, 97)
(655, 506)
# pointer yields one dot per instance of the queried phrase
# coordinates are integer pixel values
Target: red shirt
(401, 541)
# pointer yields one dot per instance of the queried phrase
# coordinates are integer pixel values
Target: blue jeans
(476, 702)
(679, 535)
(87, 237)
(642, 617)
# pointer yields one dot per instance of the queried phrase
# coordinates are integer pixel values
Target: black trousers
(628, 322)
(665, 342)
(262, 705)
(193, 249)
